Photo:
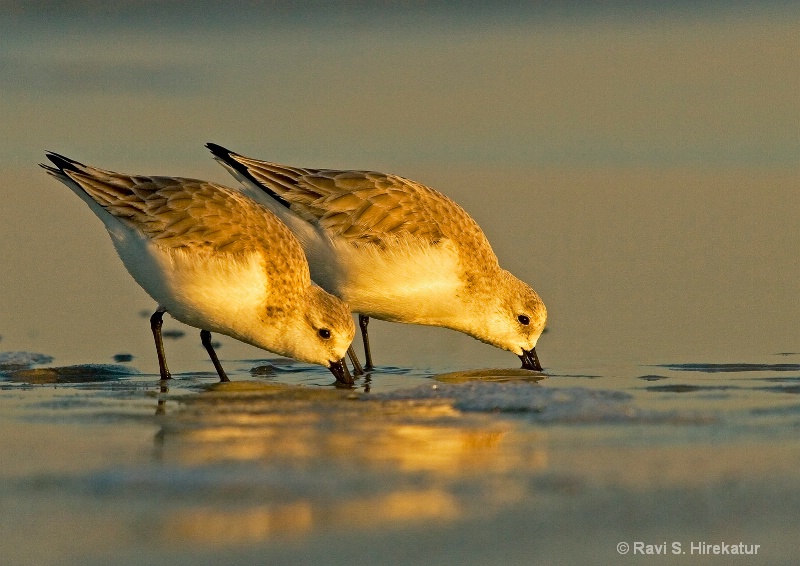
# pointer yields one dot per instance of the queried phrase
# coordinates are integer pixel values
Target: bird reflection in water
(289, 461)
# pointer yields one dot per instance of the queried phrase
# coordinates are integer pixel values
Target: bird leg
(357, 369)
(363, 321)
(205, 338)
(155, 325)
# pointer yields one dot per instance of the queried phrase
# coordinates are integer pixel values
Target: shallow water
(640, 167)
(456, 468)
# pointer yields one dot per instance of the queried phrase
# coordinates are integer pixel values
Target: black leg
(357, 369)
(363, 321)
(205, 338)
(155, 325)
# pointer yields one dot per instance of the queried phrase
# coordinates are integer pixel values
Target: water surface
(460, 468)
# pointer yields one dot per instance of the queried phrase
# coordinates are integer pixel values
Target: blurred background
(637, 163)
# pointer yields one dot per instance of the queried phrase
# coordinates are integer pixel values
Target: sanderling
(396, 250)
(216, 260)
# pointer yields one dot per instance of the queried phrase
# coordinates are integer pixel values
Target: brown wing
(366, 207)
(189, 213)
(178, 212)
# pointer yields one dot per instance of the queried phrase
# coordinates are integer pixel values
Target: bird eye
(523, 319)
(324, 333)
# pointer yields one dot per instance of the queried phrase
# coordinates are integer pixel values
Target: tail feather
(228, 159)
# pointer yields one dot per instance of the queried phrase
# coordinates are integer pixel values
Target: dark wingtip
(62, 162)
(228, 157)
(219, 151)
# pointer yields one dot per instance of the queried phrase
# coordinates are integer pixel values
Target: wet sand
(463, 468)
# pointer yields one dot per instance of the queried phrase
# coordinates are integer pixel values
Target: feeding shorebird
(396, 250)
(217, 260)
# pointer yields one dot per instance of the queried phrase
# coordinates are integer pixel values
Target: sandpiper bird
(396, 250)
(216, 260)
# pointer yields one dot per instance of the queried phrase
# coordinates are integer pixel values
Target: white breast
(209, 291)
(400, 284)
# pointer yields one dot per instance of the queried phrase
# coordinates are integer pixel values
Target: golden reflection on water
(218, 526)
(420, 461)
(268, 422)
(491, 375)
(215, 526)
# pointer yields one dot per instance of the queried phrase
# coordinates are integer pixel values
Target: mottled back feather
(369, 208)
(180, 213)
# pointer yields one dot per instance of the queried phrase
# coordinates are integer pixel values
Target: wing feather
(365, 208)
(179, 213)
(359, 206)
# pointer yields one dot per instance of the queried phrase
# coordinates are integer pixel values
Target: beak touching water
(340, 372)
(530, 360)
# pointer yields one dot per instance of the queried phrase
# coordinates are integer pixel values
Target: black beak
(530, 360)
(340, 372)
